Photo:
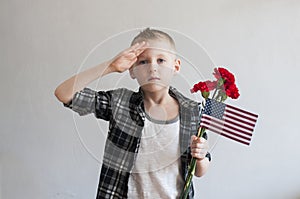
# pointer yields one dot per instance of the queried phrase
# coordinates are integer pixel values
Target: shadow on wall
(295, 196)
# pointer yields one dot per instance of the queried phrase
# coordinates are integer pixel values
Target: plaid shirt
(125, 112)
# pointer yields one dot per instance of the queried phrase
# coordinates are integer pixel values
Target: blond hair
(153, 34)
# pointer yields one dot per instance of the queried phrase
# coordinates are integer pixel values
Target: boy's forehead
(159, 46)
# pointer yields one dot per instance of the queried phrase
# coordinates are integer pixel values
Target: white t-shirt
(156, 173)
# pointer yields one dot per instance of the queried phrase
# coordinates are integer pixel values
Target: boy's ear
(131, 72)
(177, 66)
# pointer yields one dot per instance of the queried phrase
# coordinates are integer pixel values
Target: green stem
(192, 166)
(214, 93)
(219, 85)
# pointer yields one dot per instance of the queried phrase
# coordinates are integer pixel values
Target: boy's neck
(161, 105)
(157, 98)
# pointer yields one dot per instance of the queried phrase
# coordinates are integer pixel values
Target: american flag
(228, 121)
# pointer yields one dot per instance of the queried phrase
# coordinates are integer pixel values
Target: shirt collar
(138, 97)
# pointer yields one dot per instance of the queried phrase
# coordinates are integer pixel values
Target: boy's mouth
(153, 79)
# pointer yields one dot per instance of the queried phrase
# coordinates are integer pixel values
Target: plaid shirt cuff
(83, 102)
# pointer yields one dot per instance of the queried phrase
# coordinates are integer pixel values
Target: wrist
(200, 159)
(207, 156)
(108, 68)
(201, 167)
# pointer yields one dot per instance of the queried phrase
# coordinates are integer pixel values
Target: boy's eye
(142, 62)
(161, 60)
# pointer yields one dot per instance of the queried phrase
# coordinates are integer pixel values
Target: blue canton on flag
(214, 108)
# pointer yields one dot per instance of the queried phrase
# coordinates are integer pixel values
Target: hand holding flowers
(224, 86)
(199, 147)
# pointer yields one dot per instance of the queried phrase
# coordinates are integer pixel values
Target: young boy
(151, 132)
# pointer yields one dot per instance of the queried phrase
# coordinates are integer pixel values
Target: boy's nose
(153, 67)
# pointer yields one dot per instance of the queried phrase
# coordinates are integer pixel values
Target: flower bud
(221, 81)
(205, 94)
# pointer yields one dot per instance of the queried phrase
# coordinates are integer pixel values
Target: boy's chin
(154, 87)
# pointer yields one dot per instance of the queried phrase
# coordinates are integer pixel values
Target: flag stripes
(228, 121)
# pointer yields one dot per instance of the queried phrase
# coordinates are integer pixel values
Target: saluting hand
(125, 59)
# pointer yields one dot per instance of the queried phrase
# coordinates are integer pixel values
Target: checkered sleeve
(89, 101)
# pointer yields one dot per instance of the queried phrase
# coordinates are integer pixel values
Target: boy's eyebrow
(158, 55)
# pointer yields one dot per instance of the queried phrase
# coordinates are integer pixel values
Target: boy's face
(155, 66)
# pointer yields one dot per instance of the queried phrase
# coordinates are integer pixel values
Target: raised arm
(120, 63)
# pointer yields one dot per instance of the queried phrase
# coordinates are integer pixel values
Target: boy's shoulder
(127, 91)
(125, 95)
(136, 97)
(123, 91)
(182, 99)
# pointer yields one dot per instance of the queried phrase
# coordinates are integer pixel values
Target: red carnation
(223, 73)
(204, 86)
(232, 91)
(225, 85)
(201, 86)
(211, 85)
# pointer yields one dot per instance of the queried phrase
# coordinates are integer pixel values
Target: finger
(196, 150)
(199, 142)
(140, 51)
(143, 44)
(199, 150)
(133, 61)
(141, 48)
(198, 146)
(199, 155)
(193, 137)
(131, 48)
(202, 140)
(137, 46)
(196, 140)
(132, 57)
(135, 50)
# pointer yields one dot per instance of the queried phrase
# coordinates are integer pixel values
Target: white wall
(47, 152)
